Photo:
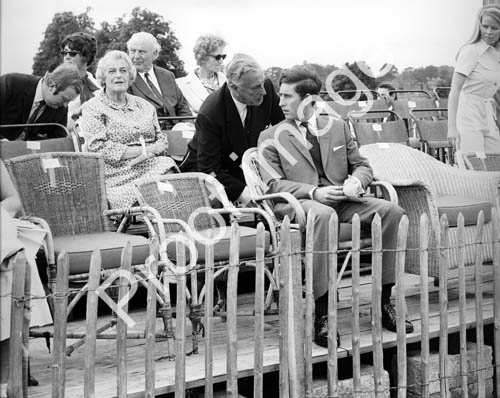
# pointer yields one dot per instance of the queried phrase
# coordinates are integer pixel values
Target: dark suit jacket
(17, 92)
(220, 139)
(286, 164)
(172, 103)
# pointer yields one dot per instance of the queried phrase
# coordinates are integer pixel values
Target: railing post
(443, 307)
(232, 307)
(333, 245)
(424, 304)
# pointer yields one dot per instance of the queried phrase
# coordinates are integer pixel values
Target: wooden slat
(462, 305)
(424, 304)
(400, 305)
(333, 319)
(26, 329)
(232, 308)
(180, 322)
(258, 382)
(309, 310)
(378, 355)
(209, 319)
(297, 311)
(283, 312)
(15, 384)
(60, 301)
(496, 295)
(121, 326)
(91, 330)
(443, 308)
(149, 365)
(356, 351)
(481, 383)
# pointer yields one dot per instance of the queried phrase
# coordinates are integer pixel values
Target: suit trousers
(390, 215)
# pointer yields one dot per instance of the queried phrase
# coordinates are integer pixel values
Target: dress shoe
(321, 332)
(389, 318)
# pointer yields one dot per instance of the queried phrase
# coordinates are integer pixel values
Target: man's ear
(156, 53)
(51, 86)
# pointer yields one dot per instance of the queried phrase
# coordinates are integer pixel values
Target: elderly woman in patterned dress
(124, 129)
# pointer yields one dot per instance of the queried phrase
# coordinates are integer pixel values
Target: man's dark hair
(306, 80)
(64, 76)
(83, 42)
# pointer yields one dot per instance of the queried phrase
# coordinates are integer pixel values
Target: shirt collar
(482, 46)
(241, 107)
(312, 122)
(129, 103)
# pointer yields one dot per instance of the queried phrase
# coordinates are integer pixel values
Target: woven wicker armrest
(472, 184)
(300, 214)
(387, 190)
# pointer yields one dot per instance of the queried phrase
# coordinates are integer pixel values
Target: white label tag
(233, 156)
(383, 145)
(481, 155)
(187, 134)
(50, 163)
(376, 127)
(33, 144)
(412, 104)
(362, 104)
(165, 186)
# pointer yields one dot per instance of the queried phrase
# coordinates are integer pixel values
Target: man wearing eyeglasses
(229, 122)
(34, 99)
(154, 84)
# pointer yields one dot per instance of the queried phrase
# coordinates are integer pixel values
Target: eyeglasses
(70, 53)
(218, 57)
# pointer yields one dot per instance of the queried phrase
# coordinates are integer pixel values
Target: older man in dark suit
(35, 99)
(316, 160)
(155, 84)
(229, 122)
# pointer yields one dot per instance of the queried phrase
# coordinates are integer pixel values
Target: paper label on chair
(362, 104)
(481, 155)
(376, 127)
(165, 186)
(412, 104)
(187, 134)
(383, 145)
(50, 163)
(33, 144)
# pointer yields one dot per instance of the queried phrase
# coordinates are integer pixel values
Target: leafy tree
(63, 23)
(115, 37)
(110, 36)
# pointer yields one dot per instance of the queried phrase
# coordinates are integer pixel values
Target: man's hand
(329, 195)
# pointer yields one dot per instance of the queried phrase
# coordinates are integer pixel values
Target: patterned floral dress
(109, 129)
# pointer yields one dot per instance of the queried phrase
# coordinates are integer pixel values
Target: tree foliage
(110, 36)
(64, 23)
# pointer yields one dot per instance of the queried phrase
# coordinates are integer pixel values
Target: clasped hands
(350, 190)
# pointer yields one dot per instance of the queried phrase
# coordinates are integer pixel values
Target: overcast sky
(276, 32)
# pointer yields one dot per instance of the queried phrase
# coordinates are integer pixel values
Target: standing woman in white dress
(473, 125)
(207, 77)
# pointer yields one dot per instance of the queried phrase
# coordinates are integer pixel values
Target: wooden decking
(195, 364)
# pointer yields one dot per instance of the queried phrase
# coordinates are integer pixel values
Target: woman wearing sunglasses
(79, 49)
(208, 76)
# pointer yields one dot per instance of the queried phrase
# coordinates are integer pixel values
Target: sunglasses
(218, 57)
(70, 53)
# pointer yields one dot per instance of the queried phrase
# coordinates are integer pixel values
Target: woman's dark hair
(83, 42)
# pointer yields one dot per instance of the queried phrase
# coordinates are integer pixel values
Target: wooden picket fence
(295, 316)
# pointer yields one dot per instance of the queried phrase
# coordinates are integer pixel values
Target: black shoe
(321, 332)
(389, 318)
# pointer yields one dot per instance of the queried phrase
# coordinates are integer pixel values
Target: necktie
(314, 150)
(152, 86)
(248, 119)
(156, 93)
(32, 119)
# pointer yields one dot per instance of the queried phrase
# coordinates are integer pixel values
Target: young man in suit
(315, 159)
(154, 84)
(35, 99)
(229, 122)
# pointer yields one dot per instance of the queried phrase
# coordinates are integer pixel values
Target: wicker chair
(184, 202)
(426, 185)
(491, 162)
(68, 191)
(253, 178)
(368, 132)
